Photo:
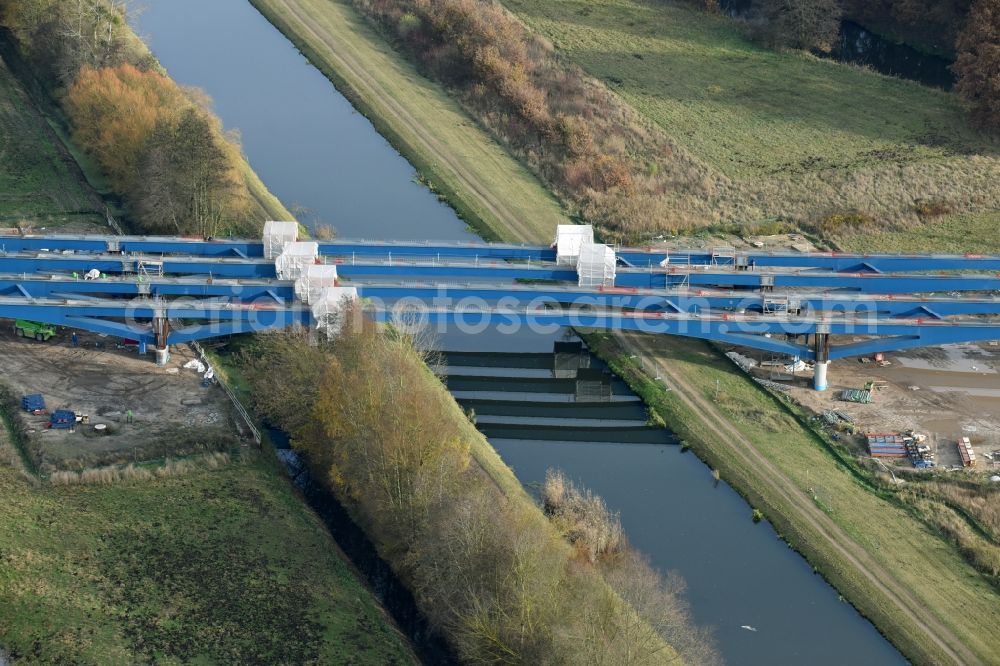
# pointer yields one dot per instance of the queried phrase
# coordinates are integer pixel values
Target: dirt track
(770, 475)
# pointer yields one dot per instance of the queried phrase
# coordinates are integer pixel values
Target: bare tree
(978, 63)
(798, 24)
(661, 613)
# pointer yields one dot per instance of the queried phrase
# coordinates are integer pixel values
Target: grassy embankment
(39, 184)
(879, 523)
(971, 232)
(800, 135)
(219, 565)
(489, 189)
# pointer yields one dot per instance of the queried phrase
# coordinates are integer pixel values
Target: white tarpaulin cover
(745, 362)
(329, 308)
(277, 235)
(596, 266)
(316, 277)
(569, 239)
(292, 262)
(196, 365)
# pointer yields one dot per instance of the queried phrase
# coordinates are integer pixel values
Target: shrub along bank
(159, 146)
(486, 567)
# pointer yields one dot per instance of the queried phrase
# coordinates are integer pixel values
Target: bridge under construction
(160, 291)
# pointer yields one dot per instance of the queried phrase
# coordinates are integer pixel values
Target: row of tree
(159, 146)
(486, 567)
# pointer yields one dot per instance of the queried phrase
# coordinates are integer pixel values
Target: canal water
(310, 147)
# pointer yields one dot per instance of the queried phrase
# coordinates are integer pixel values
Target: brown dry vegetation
(486, 567)
(965, 513)
(597, 534)
(593, 150)
(132, 472)
(582, 517)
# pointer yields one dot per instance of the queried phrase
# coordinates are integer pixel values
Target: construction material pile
(908, 444)
(863, 396)
(966, 453)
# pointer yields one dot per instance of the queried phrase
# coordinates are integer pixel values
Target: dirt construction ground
(944, 392)
(173, 413)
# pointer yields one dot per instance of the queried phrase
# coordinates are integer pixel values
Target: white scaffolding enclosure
(277, 235)
(569, 239)
(314, 279)
(328, 310)
(596, 266)
(292, 262)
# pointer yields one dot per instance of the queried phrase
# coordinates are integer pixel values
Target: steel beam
(636, 256)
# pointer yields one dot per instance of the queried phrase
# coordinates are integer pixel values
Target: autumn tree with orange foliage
(978, 63)
(157, 147)
(114, 111)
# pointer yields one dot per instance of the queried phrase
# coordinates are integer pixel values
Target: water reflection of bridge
(565, 395)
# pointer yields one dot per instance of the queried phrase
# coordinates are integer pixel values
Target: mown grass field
(746, 110)
(216, 566)
(491, 190)
(970, 232)
(923, 562)
(38, 181)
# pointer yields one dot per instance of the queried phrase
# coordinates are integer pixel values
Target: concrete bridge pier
(822, 341)
(162, 356)
(161, 327)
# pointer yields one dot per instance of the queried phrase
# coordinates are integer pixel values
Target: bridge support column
(819, 380)
(162, 356)
(161, 328)
(822, 361)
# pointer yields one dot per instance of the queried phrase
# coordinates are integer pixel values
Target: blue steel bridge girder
(655, 300)
(679, 302)
(70, 288)
(206, 266)
(640, 257)
(129, 319)
(876, 283)
(745, 332)
(134, 245)
(506, 272)
(135, 331)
